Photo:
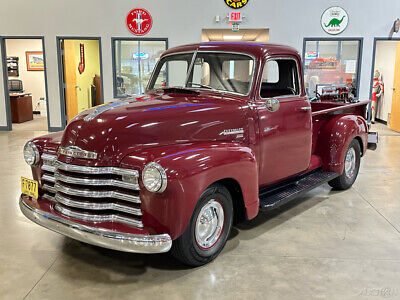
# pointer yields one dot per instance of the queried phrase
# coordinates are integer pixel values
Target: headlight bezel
(163, 176)
(36, 153)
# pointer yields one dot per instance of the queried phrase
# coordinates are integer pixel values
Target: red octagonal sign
(139, 21)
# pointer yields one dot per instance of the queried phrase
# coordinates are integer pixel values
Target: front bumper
(126, 242)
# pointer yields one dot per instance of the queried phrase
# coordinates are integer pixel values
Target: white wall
(181, 21)
(33, 81)
(385, 62)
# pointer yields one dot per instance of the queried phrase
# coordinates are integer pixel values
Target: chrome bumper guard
(126, 242)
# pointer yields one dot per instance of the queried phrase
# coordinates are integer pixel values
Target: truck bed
(322, 112)
(325, 107)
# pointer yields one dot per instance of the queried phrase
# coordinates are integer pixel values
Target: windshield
(209, 70)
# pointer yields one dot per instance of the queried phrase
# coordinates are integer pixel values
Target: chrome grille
(95, 194)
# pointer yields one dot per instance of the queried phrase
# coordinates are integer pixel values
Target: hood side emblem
(76, 152)
(232, 131)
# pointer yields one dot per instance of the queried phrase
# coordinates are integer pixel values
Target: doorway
(80, 69)
(25, 83)
(386, 73)
(227, 35)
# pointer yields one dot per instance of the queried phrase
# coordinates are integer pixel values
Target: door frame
(377, 39)
(113, 39)
(61, 71)
(8, 127)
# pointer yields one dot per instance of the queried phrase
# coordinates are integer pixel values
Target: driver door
(284, 117)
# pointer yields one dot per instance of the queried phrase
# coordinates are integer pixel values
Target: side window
(279, 78)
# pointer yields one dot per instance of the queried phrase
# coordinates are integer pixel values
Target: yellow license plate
(30, 187)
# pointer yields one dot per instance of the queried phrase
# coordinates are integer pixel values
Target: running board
(271, 198)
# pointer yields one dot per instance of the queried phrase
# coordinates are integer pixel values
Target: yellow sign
(30, 187)
(236, 4)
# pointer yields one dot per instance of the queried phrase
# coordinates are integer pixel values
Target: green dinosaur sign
(334, 20)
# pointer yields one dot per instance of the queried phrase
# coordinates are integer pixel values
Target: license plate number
(30, 187)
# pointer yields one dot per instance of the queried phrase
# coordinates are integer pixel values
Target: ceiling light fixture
(233, 37)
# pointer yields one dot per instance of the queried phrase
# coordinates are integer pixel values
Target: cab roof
(256, 49)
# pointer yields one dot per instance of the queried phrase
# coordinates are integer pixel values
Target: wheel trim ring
(207, 236)
(350, 162)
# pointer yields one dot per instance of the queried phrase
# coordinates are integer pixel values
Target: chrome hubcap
(350, 162)
(209, 224)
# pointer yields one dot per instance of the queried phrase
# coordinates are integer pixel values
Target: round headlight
(31, 154)
(154, 178)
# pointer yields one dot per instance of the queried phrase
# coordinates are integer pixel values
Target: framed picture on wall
(34, 61)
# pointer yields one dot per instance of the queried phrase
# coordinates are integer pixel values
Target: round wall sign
(236, 4)
(139, 21)
(334, 20)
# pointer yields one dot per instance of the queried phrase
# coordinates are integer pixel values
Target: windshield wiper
(202, 85)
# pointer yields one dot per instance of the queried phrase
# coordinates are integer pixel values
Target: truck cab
(230, 132)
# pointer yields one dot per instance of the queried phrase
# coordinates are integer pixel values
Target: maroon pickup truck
(225, 130)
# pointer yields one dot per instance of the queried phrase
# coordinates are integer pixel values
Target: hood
(157, 119)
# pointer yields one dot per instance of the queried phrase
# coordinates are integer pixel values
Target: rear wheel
(351, 167)
(208, 229)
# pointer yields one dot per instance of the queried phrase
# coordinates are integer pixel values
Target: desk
(21, 107)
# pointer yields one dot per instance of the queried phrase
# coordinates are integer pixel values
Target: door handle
(306, 108)
(272, 104)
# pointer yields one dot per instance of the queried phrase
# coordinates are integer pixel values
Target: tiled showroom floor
(333, 245)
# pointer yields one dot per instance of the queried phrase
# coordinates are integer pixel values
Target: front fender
(190, 169)
(335, 137)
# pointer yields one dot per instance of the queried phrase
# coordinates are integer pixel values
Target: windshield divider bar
(190, 68)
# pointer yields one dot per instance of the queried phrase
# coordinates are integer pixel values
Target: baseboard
(51, 129)
(381, 121)
(5, 128)
(55, 129)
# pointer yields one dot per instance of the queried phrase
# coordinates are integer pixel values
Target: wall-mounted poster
(12, 66)
(34, 61)
(351, 66)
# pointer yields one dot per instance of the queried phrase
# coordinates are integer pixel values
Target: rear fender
(335, 137)
(190, 169)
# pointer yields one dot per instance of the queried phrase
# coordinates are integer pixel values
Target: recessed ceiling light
(233, 37)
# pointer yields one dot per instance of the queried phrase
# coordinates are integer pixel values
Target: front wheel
(352, 161)
(208, 229)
